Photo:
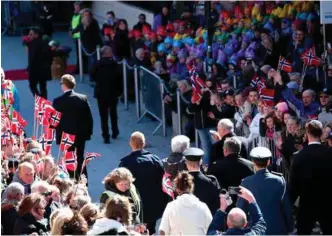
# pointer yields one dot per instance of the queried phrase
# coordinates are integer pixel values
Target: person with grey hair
(175, 162)
(230, 170)
(14, 194)
(140, 59)
(225, 130)
(307, 107)
(107, 90)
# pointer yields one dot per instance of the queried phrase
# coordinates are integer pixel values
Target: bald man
(148, 172)
(237, 219)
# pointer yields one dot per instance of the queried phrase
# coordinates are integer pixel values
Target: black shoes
(115, 135)
(107, 140)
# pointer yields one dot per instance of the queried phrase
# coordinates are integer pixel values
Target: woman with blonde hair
(120, 181)
(63, 215)
(186, 215)
(117, 216)
(90, 213)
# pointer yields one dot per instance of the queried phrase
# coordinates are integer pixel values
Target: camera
(226, 196)
(234, 190)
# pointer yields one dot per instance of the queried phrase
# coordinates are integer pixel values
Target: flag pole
(58, 159)
(79, 178)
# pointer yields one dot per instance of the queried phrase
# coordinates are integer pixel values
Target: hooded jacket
(186, 215)
(103, 225)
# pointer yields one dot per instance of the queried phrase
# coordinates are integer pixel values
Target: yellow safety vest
(75, 21)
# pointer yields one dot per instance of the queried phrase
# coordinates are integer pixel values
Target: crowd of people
(262, 113)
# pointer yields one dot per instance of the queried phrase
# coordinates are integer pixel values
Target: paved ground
(13, 56)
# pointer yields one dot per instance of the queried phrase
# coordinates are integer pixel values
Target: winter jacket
(27, 224)
(104, 225)
(131, 194)
(186, 215)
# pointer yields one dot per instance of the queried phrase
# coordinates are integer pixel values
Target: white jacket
(104, 224)
(187, 216)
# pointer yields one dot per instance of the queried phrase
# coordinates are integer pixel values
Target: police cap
(193, 154)
(260, 153)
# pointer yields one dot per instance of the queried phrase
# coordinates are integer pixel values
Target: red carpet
(22, 74)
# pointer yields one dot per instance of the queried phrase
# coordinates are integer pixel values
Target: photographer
(237, 219)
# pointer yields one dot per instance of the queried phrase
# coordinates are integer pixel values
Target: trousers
(79, 145)
(108, 108)
(42, 87)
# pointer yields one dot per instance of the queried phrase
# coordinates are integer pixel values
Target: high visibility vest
(75, 21)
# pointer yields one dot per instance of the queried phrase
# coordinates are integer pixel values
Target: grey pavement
(13, 56)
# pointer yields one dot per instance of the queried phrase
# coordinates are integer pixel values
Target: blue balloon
(161, 47)
(168, 40)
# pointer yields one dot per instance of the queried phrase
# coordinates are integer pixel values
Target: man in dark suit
(271, 194)
(39, 63)
(225, 130)
(107, 89)
(148, 172)
(206, 187)
(76, 119)
(230, 170)
(310, 176)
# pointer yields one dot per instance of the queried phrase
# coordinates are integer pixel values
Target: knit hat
(282, 107)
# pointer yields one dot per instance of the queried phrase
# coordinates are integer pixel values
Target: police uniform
(206, 187)
(271, 195)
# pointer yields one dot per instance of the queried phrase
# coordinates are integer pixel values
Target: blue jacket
(271, 194)
(258, 226)
(312, 109)
(148, 172)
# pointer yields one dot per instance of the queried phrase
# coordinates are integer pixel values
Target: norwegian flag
(310, 59)
(67, 140)
(258, 83)
(70, 160)
(5, 138)
(196, 82)
(167, 185)
(46, 140)
(267, 95)
(44, 113)
(285, 65)
(55, 118)
(39, 107)
(15, 127)
(16, 115)
(90, 156)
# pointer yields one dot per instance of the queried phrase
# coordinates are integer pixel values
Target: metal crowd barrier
(151, 87)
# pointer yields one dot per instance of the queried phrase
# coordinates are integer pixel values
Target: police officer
(206, 187)
(270, 192)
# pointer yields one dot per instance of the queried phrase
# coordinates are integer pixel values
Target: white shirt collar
(314, 143)
(67, 90)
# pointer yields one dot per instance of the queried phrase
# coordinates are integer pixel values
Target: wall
(121, 10)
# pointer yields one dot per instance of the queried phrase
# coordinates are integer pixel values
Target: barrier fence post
(98, 52)
(80, 60)
(125, 89)
(137, 93)
(178, 103)
(163, 108)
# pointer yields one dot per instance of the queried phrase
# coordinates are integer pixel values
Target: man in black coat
(148, 172)
(206, 188)
(230, 170)
(39, 63)
(76, 118)
(107, 90)
(225, 130)
(310, 175)
(90, 37)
